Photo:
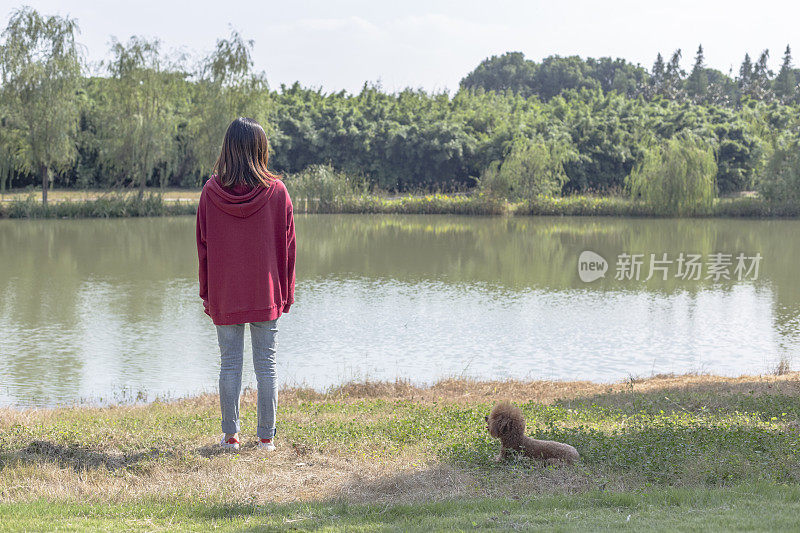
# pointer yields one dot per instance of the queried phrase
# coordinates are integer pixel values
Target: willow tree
(10, 141)
(532, 167)
(140, 124)
(676, 177)
(41, 71)
(227, 87)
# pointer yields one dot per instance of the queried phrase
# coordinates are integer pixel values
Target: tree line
(573, 125)
(666, 79)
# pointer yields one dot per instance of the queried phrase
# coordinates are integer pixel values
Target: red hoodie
(246, 249)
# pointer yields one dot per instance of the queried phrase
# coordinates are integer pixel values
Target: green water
(107, 310)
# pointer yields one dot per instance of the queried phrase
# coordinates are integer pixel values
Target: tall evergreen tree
(697, 83)
(745, 79)
(674, 77)
(785, 85)
(761, 87)
(656, 85)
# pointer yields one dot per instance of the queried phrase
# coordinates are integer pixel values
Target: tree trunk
(45, 179)
(142, 182)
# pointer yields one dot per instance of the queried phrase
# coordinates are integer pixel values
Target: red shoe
(231, 444)
(266, 444)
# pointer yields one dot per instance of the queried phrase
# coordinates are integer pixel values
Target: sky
(335, 45)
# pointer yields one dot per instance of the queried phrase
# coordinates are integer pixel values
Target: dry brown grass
(283, 476)
(126, 464)
(784, 366)
(545, 392)
(455, 391)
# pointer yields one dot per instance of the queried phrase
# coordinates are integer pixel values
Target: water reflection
(101, 309)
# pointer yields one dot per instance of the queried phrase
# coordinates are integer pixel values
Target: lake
(99, 311)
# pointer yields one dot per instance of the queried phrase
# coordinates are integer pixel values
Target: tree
(785, 84)
(780, 183)
(676, 177)
(227, 88)
(41, 71)
(617, 75)
(556, 74)
(140, 125)
(7, 162)
(531, 168)
(761, 85)
(745, 79)
(656, 85)
(697, 82)
(673, 77)
(510, 71)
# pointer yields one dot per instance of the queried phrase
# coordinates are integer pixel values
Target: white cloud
(350, 24)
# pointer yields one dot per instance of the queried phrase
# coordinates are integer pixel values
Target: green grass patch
(681, 437)
(439, 204)
(153, 204)
(110, 205)
(753, 507)
(704, 454)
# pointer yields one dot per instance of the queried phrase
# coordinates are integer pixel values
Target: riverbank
(104, 204)
(671, 451)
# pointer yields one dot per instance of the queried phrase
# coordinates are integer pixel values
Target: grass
(671, 451)
(61, 195)
(760, 507)
(440, 204)
(111, 204)
(75, 204)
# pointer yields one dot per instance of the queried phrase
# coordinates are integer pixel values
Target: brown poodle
(506, 423)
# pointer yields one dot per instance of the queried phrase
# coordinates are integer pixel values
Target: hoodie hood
(238, 205)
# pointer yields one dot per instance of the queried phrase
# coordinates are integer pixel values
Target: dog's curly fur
(507, 423)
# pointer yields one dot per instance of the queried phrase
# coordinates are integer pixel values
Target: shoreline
(452, 389)
(108, 204)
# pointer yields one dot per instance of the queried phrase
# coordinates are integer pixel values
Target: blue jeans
(231, 346)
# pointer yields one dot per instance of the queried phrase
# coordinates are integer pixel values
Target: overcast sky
(432, 44)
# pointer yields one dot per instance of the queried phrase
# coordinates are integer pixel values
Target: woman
(246, 250)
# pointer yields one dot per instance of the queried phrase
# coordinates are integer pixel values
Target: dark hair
(244, 155)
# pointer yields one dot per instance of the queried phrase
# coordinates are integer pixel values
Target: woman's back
(247, 236)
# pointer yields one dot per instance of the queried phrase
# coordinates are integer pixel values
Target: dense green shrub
(321, 188)
(532, 167)
(676, 178)
(738, 155)
(780, 184)
(583, 206)
(107, 206)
